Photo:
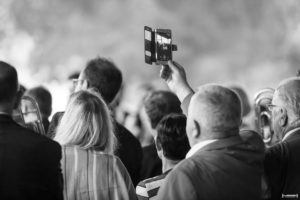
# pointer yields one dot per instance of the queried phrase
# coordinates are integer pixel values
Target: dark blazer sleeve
(274, 164)
(129, 150)
(54, 123)
(151, 163)
(53, 178)
(127, 180)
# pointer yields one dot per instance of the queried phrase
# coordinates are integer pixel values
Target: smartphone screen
(163, 41)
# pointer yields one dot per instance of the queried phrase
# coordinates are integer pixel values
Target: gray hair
(218, 107)
(289, 93)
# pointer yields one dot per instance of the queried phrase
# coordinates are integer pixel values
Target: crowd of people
(201, 147)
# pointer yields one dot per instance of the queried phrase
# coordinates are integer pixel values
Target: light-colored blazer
(91, 175)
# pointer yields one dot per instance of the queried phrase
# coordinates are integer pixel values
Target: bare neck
(168, 164)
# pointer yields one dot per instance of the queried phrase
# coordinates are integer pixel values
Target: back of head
(103, 75)
(216, 109)
(246, 108)
(159, 104)
(8, 83)
(172, 138)
(288, 92)
(86, 123)
(43, 98)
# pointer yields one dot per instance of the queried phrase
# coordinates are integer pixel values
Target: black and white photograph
(149, 99)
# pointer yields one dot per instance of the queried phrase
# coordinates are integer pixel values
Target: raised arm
(175, 77)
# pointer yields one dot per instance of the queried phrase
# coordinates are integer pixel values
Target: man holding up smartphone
(222, 163)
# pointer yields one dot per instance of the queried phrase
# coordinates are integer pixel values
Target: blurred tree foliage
(233, 40)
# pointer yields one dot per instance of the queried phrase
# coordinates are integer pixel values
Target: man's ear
(196, 131)
(283, 117)
(158, 148)
(157, 145)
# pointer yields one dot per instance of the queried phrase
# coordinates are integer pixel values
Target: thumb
(165, 72)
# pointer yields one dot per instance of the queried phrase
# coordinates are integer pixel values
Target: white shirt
(290, 133)
(198, 146)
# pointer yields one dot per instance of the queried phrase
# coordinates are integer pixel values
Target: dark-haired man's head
(159, 104)
(103, 75)
(8, 86)
(171, 139)
(43, 98)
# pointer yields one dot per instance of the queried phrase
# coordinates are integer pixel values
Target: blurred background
(253, 44)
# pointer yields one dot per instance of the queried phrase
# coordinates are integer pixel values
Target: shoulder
(126, 138)
(275, 150)
(35, 139)
(186, 168)
(149, 187)
(276, 155)
(123, 132)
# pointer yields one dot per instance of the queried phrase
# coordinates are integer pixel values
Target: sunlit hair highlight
(87, 123)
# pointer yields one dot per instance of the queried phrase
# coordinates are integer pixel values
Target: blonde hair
(87, 123)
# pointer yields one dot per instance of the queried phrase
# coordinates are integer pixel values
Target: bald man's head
(8, 83)
(216, 109)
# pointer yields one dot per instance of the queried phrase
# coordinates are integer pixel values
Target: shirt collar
(198, 146)
(290, 133)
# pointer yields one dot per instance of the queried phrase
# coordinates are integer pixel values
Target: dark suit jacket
(229, 168)
(129, 148)
(29, 163)
(282, 167)
(151, 164)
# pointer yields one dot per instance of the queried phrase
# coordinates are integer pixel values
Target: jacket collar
(291, 133)
(223, 143)
(198, 146)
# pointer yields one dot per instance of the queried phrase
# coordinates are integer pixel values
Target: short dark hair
(8, 82)
(103, 75)
(172, 138)
(159, 104)
(43, 98)
(74, 75)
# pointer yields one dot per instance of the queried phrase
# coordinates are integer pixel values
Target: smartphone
(149, 50)
(158, 46)
(163, 46)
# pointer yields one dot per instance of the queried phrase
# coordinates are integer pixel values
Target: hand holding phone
(175, 77)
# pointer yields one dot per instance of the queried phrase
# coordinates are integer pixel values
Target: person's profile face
(80, 84)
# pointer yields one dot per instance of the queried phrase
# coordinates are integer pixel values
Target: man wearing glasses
(282, 161)
(105, 77)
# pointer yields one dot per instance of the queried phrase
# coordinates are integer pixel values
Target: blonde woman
(86, 134)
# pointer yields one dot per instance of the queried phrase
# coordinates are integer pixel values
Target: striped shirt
(91, 175)
(148, 189)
